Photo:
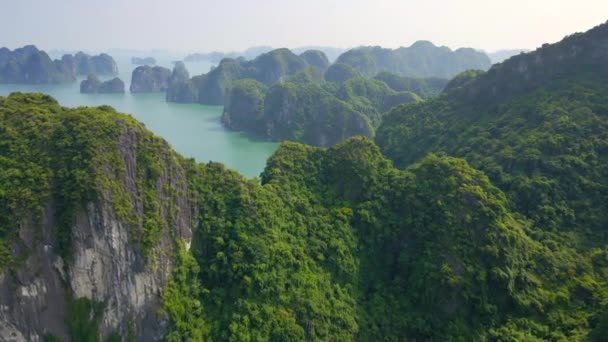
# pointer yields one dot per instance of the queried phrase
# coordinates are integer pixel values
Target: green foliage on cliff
(212, 87)
(25, 176)
(338, 244)
(273, 66)
(245, 103)
(309, 74)
(83, 319)
(182, 300)
(339, 73)
(182, 92)
(462, 80)
(423, 87)
(294, 111)
(544, 147)
(372, 97)
(536, 126)
(316, 58)
(308, 113)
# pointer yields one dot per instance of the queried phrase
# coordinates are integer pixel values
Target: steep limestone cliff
(122, 239)
(28, 65)
(147, 79)
(93, 85)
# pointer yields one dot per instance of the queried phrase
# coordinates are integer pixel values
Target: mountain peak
(422, 44)
(578, 53)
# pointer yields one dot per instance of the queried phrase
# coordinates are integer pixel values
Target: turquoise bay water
(192, 130)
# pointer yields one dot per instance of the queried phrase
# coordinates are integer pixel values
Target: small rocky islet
(92, 85)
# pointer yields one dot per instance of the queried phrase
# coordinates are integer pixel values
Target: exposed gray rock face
(147, 79)
(105, 266)
(33, 299)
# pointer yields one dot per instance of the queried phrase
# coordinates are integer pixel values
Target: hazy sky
(203, 25)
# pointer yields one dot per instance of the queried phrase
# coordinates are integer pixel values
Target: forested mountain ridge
(580, 55)
(501, 55)
(268, 68)
(536, 124)
(321, 109)
(421, 60)
(281, 96)
(334, 244)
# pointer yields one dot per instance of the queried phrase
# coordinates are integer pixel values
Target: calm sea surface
(193, 130)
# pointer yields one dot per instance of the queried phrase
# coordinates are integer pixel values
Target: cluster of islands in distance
(240, 130)
(312, 194)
